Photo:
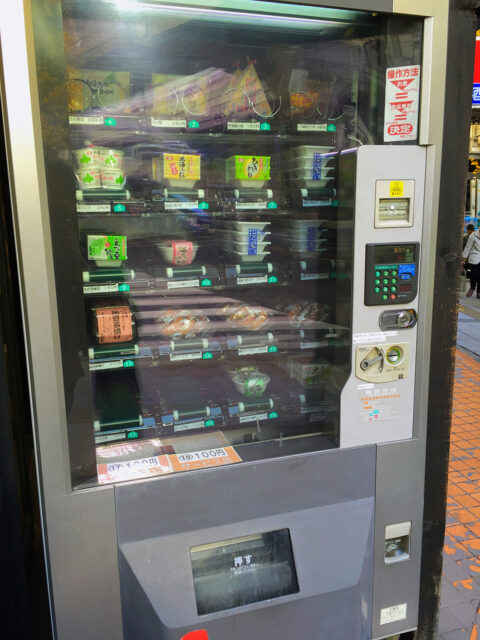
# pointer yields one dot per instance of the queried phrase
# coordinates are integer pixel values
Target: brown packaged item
(181, 323)
(246, 316)
(114, 324)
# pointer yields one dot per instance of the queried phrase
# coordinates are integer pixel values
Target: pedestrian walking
(470, 230)
(471, 256)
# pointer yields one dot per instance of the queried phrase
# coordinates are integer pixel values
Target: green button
(385, 289)
(394, 273)
(377, 273)
(385, 281)
(386, 273)
(377, 281)
(377, 289)
(393, 289)
(385, 297)
(394, 281)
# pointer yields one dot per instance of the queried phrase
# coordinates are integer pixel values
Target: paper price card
(214, 457)
(132, 469)
(402, 94)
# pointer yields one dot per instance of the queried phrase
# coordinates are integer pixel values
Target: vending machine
(223, 220)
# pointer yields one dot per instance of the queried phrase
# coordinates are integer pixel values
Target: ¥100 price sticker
(216, 456)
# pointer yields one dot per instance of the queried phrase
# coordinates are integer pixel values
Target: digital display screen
(405, 288)
(233, 573)
(394, 254)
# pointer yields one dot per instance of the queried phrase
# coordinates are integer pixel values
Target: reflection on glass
(203, 270)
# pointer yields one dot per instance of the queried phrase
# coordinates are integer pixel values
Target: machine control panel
(391, 273)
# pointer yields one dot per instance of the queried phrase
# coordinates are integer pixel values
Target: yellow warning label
(396, 189)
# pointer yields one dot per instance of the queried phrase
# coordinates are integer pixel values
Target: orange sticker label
(114, 324)
(215, 457)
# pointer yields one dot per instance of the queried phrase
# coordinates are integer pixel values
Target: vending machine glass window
(203, 257)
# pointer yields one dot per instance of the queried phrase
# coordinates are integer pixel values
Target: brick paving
(460, 606)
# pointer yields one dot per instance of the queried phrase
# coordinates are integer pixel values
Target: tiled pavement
(460, 607)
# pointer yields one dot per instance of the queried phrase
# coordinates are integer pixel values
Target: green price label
(272, 279)
(194, 124)
(206, 283)
(264, 126)
(273, 414)
(272, 205)
(119, 208)
(203, 205)
(132, 434)
(208, 355)
(272, 349)
(124, 287)
(128, 363)
(209, 423)
(110, 122)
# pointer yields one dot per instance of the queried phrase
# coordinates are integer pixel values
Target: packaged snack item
(181, 169)
(309, 373)
(175, 94)
(88, 157)
(247, 368)
(251, 384)
(107, 251)
(89, 88)
(304, 311)
(112, 179)
(181, 323)
(249, 93)
(245, 170)
(113, 324)
(246, 316)
(165, 100)
(178, 252)
(111, 158)
(88, 178)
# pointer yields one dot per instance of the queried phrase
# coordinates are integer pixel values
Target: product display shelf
(214, 402)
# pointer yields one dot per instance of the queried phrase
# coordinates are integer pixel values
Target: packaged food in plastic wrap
(95, 88)
(232, 370)
(246, 316)
(113, 324)
(178, 252)
(107, 251)
(251, 384)
(305, 311)
(176, 323)
(307, 372)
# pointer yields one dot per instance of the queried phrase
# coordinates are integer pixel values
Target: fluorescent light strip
(131, 5)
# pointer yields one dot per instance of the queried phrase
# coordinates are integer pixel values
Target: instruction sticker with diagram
(402, 96)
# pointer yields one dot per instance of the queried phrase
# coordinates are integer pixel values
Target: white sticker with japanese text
(402, 97)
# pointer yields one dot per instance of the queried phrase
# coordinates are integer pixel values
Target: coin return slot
(394, 210)
(397, 542)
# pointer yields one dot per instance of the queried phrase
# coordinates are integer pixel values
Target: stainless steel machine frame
(80, 528)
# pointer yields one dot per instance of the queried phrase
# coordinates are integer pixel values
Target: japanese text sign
(402, 96)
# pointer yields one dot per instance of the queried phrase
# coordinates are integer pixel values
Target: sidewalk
(468, 336)
(460, 606)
